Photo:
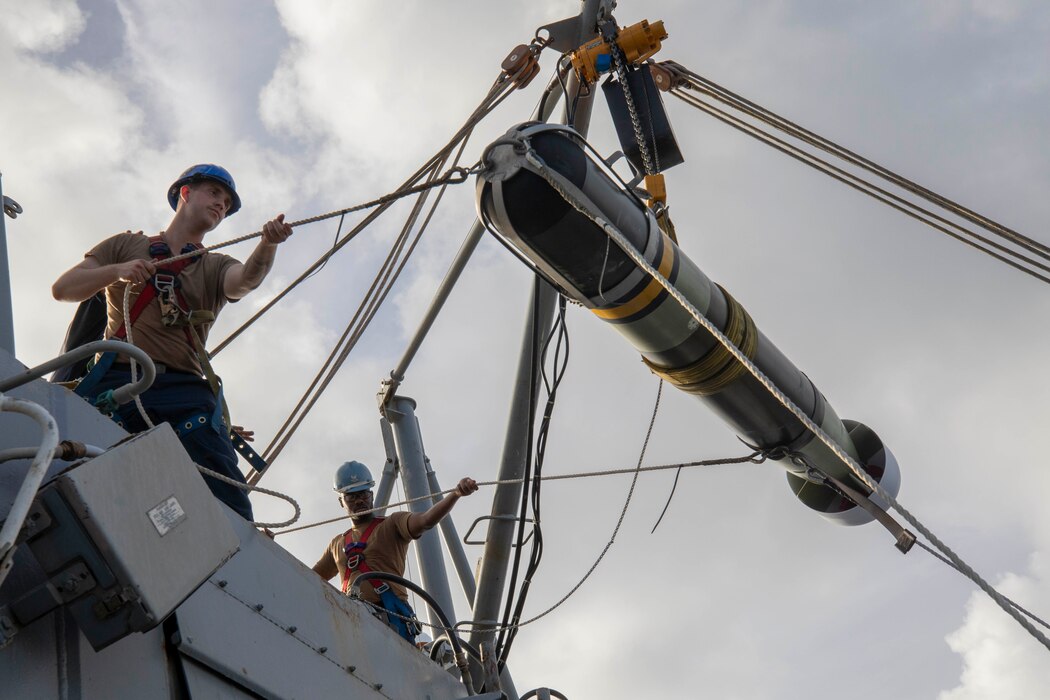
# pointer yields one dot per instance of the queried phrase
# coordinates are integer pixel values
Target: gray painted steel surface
(153, 520)
(7, 319)
(402, 416)
(454, 544)
(271, 624)
(263, 624)
(492, 575)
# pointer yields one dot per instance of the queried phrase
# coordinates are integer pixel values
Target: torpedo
(577, 257)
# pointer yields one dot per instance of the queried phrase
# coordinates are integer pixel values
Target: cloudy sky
(741, 592)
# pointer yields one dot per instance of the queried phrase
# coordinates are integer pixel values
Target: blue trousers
(174, 397)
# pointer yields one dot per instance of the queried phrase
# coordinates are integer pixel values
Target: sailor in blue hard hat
(199, 173)
(377, 543)
(171, 316)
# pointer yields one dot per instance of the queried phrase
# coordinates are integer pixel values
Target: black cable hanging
(560, 364)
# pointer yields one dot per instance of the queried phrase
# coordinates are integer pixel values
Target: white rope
(204, 470)
(131, 341)
(625, 245)
(754, 458)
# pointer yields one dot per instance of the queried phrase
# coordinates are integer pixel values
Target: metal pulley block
(11, 207)
(522, 64)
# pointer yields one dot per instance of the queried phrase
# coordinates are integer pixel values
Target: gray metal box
(146, 510)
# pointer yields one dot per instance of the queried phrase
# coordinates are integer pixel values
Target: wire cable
(685, 80)
(893, 201)
(753, 458)
(562, 187)
(758, 112)
(948, 562)
(560, 363)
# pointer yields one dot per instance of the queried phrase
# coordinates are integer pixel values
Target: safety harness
(355, 562)
(166, 287)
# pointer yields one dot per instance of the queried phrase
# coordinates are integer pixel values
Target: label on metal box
(167, 515)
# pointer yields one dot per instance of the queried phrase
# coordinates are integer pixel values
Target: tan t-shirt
(201, 286)
(385, 550)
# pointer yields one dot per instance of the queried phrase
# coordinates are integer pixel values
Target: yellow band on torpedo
(648, 293)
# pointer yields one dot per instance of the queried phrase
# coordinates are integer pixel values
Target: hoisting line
(555, 181)
(758, 112)
(683, 79)
(387, 275)
(754, 458)
(948, 562)
(497, 93)
(453, 176)
(366, 311)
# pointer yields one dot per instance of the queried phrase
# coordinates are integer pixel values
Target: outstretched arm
(243, 278)
(418, 523)
(84, 280)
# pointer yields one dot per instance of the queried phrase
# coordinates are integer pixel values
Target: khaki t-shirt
(202, 283)
(385, 550)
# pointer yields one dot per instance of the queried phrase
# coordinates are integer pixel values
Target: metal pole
(492, 578)
(397, 375)
(402, 417)
(7, 319)
(390, 468)
(453, 544)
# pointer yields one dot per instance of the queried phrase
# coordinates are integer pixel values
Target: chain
(619, 60)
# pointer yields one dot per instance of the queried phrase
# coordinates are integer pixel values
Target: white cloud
(1000, 659)
(317, 105)
(44, 26)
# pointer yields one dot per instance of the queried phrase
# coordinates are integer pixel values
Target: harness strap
(87, 385)
(398, 609)
(159, 252)
(355, 556)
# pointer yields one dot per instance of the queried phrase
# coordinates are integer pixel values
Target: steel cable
(902, 205)
(621, 241)
(695, 81)
(753, 458)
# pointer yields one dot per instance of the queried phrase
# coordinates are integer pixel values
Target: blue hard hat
(205, 171)
(352, 477)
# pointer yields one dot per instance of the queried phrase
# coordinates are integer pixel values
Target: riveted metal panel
(152, 519)
(272, 625)
(204, 684)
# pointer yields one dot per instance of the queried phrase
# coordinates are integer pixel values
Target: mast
(7, 330)
(505, 503)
